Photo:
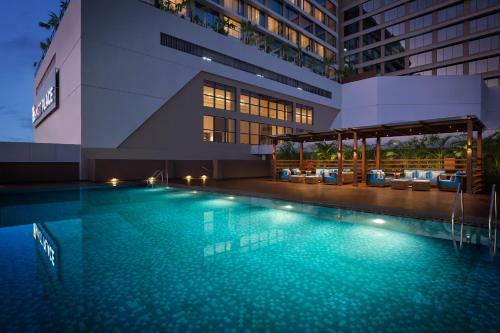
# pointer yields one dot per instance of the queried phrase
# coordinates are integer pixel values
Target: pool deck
(433, 204)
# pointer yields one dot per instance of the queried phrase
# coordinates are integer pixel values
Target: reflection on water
(156, 260)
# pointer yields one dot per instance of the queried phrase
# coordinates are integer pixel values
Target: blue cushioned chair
(451, 183)
(377, 178)
(285, 175)
(330, 176)
(433, 176)
(409, 174)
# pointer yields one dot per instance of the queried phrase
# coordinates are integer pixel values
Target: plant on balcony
(222, 26)
(247, 32)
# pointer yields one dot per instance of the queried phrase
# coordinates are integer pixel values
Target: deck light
(114, 181)
(188, 178)
(378, 221)
(151, 180)
(206, 58)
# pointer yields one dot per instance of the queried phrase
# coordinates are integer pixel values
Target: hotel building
(198, 89)
(422, 37)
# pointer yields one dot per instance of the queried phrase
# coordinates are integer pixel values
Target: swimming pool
(155, 259)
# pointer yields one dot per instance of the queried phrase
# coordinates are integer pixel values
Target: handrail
(458, 194)
(493, 214)
(159, 173)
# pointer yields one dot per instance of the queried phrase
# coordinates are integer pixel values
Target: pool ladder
(159, 174)
(493, 218)
(459, 196)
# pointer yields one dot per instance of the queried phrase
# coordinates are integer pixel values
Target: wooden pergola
(467, 124)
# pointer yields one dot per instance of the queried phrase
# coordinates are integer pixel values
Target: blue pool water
(154, 260)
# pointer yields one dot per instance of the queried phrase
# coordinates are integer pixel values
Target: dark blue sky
(20, 37)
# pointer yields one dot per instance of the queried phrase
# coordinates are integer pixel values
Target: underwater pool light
(378, 221)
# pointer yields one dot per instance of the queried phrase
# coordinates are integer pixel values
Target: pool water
(141, 259)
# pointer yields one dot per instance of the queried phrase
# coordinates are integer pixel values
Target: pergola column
(363, 160)
(479, 148)
(355, 159)
(274, 161)
(301, 155)
(377, 154)
(339, 157)
(468, 171)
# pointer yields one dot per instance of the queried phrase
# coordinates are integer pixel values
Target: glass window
(351, 60)
(450, 12)
(319, 15)
(371, 54)
(291, 34)
(351, 13)
(254, 15)
(483, 65)
(371, 21)
(418, 5)
(291, 14)
(218, 96)
(451, 70)
(273, 25)
(494, 82)
(421, 22)
(394, 13)
(477, 5)
(450, 32)
(450, 52)
(303, 114)
(484, 44)
(395, 30)
(369, 6)
(233, 29)
(264, 106)
(306, 6)
(372, 68)
(276, 6)
(235, 6)
(421, 40)
(420, 59)
(424, 73)
(372, 37)
(244, 132)
(351, 29)
(351, 44)
(305, 42)
(394, 65)
(218, 129)
(395, 47)
(484, 23)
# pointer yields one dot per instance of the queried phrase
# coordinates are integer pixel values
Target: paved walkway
(433, 204)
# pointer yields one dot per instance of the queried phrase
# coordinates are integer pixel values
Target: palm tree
(247, 30)
(285, 51)
(325, 151)
(328, 63)
(287, 151)
(313, 64)
(268, 43)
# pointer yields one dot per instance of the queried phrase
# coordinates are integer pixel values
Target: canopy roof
(435, 126)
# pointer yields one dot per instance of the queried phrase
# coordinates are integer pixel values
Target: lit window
(273, 25)
(303, 115)
(218, 129)
(218, 96)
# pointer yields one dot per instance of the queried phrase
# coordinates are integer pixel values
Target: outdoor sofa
(330, 176)
(450, 182)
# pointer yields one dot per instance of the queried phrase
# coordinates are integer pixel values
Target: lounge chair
(433, 176)
(284, 175)
(330, 176)
(450, 182)
(409, 174)
(378, 178)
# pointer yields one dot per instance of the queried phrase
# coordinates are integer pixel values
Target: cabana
(473, 166)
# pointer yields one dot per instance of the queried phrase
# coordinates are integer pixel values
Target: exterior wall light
(188, 178)
(206, 58)
(151, 180)
(114, 181)
(204, 178)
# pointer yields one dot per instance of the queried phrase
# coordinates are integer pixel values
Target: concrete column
(355, 159)
(363, 160)
(339, 159)
(469, 171)
(377, 154)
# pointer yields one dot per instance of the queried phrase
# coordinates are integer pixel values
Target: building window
(218, 129)
(351, 13)
(264, 106)
(421, 22)
(305, 43)
(306, 6)
(276, 6)
(351, 60)
(273, 25)
(420, 59)
(394, 13)
(484, 23)
(451, 32)
(304, 115)
(369, 6)
(319, 15)
(424, 73)
(484, 44)
(351, 44)
(254, 15)
(371, 54)
(249, 132)
(372, 37)
(271, 130)
(394, 65)
(395, 30)
(451, 70)
(218, 96)
(418, 5)
(477, 5)
(450, 12)
(372, 68)
(395, 47)
(291, 35)
(421, 40)
(351, 29)
(371, 21)
(235, 6)
(494, 82)
(233, 29)
(483, 65)
(450, 52)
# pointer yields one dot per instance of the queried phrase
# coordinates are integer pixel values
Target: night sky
(20, 38)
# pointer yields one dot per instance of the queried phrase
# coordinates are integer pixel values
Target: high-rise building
(422, 37)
